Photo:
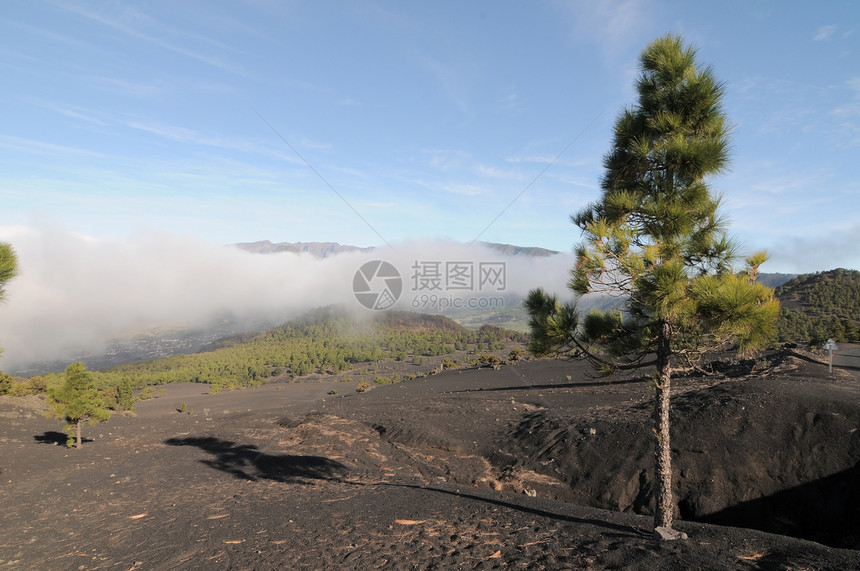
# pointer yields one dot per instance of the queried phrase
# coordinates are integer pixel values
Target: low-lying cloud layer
(75, 293)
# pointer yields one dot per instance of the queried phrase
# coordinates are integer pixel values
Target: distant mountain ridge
(511, 250)
(775, 280)
(326, 249)
(318, 249)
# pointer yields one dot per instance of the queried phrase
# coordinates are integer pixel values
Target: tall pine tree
(656, 240)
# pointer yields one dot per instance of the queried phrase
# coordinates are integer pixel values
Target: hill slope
(819, 306)
(324, 340)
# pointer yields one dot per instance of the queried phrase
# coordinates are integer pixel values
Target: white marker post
(830, 346)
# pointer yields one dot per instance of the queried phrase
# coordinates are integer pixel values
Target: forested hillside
(326, 340)
(816, 307)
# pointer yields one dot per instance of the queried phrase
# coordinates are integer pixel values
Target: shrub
(146, 394)
(37, 385)
(489, 360)
(516, 354)
(6, 384)
(363, 386)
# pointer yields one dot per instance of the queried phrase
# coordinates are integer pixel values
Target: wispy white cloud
(788, 183)
(449, 80)
(182, 134)
(614, 25)
(134, 88)
(495, 172)
(75, 112)
(509, 99)
(824, 33)
(157, 87)
(544, 159)
(589, 183)
(590, 163)
(132, 21)
(34, 147)
(314, 145)
(834, 248)
(382, 17)
(848, 114)
(369, 204)
(193, 137)
(464, 189)
(47, 34)
(445, 159)
(775, 106)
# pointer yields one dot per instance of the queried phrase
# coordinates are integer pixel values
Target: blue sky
(428, 119)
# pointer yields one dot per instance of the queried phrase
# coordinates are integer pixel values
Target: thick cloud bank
(75, 293)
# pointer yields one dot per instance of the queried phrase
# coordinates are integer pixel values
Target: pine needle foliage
(77, 401)
(8, 268)
(656, 240)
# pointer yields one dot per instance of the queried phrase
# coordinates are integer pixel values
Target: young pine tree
(656, 241)
(8, 268)
(77, 401)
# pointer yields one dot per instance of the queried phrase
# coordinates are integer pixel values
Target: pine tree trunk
(664, 504)
(78, 434)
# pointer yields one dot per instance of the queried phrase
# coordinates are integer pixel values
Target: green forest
(819, 306)
(325, 341)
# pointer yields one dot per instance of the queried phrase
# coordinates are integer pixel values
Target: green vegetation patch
(325, 341)
(820, 306)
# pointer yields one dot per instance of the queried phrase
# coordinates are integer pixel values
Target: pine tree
(8, 267)
(77, 401)
(656, 241)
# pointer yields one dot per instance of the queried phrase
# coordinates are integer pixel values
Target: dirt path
(848, 357)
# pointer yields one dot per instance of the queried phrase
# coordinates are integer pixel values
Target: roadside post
(830, 346)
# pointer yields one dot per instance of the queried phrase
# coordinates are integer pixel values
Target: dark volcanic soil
(474, 469)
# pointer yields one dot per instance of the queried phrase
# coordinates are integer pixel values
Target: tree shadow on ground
(246, 462)
(842, 365)
(514, 502)
(547, 386)
(56, 438)
(824, 511)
